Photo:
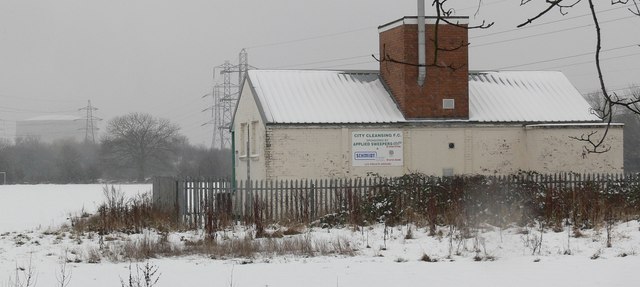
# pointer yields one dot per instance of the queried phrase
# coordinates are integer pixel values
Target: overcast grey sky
(157, 56)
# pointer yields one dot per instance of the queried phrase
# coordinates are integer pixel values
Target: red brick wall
(401, 44)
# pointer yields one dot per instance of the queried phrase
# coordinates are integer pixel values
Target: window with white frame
(243, 140)
(448, 104)
(254, 137)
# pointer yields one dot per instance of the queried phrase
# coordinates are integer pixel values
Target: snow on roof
(526, 96)
(54, 118)
(317, 96)
(306, 96)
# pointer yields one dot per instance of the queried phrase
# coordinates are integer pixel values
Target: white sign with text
(376, 148)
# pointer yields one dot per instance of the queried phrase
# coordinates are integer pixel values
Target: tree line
(135, 147)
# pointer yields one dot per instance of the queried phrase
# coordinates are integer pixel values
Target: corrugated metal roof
(525, 96)
(306, 96)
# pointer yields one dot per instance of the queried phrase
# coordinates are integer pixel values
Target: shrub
(427, 258)
(124, 215)
(144, 276)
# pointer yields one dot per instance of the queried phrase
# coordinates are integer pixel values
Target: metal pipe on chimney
(422, 47)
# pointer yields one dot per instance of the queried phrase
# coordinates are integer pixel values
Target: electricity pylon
(90, 127)
(225, 94)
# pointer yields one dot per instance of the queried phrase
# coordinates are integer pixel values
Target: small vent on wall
(448, 104)
(447, 172)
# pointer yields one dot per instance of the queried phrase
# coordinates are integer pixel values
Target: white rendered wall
(497, 150)
(325, 152)
(250, 117)
(550, 150)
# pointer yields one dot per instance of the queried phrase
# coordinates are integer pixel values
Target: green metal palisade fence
(192, 199)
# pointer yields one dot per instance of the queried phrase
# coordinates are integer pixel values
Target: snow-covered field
(30, 216)
(34, 207)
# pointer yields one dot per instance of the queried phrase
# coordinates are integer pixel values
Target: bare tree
(623, 115)
(595, 143)
(138, 139)
(443, 15)
(25, 276)
(144, 276)
(63, 276)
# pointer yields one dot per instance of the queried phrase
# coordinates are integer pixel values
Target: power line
(466, 8)
(566, 57)
(483, 5)
(514, 66)
(175, 106)
(610, 89)
(19, 110)
(547, 33)
(37, 99)
(348, 64)
(546, 23)
(310, 38)
(322, 62)
(507, 67)
(473, 37)
(343, 32)
(608, 72)
(192, 126)
(593, 61)
(479, 45)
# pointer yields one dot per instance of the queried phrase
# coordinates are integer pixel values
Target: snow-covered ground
(30, 216)
(49, 205)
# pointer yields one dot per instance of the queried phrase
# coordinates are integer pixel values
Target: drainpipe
(422, 50)
(233, 159)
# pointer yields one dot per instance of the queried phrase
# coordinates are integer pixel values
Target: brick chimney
(445, 92)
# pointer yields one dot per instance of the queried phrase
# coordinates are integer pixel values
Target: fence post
(307, 201)
(278, 200)
(178, 200)
(239, 204)
(262, 202)
(314, 191)
(250, 200)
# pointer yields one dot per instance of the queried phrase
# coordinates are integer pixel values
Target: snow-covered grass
(30, 234)
(49, 205)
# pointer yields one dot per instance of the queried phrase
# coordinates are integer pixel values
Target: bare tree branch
(594, 146)
(478, 9)
(458, 47)
(388, 58)
(441, 14)
(552, 4)
(636, 8)
(598, 146)
(604, 110)
(484, 24)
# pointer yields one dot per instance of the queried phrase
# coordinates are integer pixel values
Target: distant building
(440, 120)
(52, 128)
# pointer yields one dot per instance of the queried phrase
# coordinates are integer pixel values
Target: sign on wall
(376, 148)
